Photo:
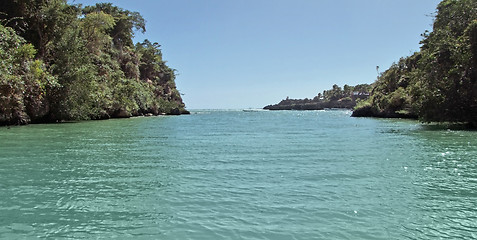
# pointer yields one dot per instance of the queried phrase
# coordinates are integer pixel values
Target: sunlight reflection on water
(238, 175)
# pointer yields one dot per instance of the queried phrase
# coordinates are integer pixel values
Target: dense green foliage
(337, 97)
(68, 62)
(24, 81)
(336, 93)
(438, 83)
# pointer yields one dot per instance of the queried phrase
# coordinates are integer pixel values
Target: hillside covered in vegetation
(438, 83)
(63, 62)
(337, 97)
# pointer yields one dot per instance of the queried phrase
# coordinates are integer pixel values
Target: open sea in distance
(238, 175)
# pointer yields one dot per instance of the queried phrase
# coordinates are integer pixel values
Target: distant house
(360, 94)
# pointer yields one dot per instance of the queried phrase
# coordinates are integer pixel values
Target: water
(238, 175)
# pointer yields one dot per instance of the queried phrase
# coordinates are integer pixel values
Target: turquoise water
(238, 175)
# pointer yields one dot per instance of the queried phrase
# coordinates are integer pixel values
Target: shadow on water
(448, 126)
(421, 126)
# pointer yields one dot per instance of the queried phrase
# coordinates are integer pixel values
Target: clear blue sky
(251, 53)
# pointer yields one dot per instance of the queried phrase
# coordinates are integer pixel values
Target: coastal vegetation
(439, 82)
(336, 97)
(436, 84)
(67, 62)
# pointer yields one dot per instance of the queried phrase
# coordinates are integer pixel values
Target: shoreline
(172, 113)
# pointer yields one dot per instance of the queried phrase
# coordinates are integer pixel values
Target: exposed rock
(174, 111)
(366, 111)
(305, 104)
(369, 111)
(185, 112)
(122, 113)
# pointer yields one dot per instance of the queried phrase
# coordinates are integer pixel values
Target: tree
(38, 21)
(126, 23)
(438, 83)
(95, 26)
(24, 82)
(65, 62)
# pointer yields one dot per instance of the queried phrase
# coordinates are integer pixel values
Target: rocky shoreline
(310, 105)
(117, 115)
(345, 98)
(369, 111)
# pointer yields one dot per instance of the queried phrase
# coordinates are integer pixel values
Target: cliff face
(79, 63)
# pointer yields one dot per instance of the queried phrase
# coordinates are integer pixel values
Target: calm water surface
(238, 175)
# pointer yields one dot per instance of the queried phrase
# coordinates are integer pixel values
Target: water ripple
(236, 175)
